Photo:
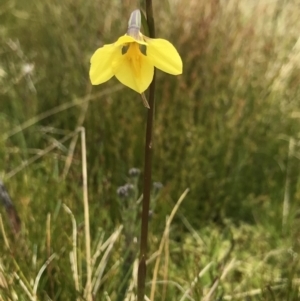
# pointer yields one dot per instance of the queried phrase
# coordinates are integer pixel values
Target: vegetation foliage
(227, 129)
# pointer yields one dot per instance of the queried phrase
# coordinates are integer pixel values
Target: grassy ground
(227, 129)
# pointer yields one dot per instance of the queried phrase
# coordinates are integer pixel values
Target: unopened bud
(134, 24)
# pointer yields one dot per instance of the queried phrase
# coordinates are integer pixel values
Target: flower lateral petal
(101, 64)
(164, 56)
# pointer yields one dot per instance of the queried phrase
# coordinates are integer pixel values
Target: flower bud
(134, 24)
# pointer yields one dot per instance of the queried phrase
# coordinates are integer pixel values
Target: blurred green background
(222, 128)
(227, 128)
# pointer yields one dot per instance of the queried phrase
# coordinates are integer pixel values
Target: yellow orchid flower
(132, 58)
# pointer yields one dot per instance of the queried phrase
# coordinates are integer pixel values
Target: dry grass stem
(100, 269)
(24, 287)
(81, 118)
(215, 285)
(287, 189)
(73, 254)
(194, 282)
(6, 243)
(162, 242)
(173, 283)
(38, 277)
(88, 287)
(166, 262)
(41, 154)
(58, 109)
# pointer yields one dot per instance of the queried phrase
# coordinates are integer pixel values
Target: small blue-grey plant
(129, 200)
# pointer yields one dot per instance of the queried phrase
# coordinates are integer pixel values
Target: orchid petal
(134, 69)
(164, 56)
(101, 60)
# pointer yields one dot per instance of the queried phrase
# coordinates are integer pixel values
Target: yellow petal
(134, 69)
(129, 39)
(101, 64)
(164, 56)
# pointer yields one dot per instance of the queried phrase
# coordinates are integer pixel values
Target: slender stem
(147, 170)
(88, 286)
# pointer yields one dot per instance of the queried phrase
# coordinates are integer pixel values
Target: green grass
(222, 129)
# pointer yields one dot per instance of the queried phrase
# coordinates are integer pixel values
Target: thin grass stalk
(88, 286)
(3, 282)
(73, 143)
(99, 249)
(107, 296)
(173, 283)
(39, 275)
(38, 156)
(163, 241)
(252, 293)
(73, 254)
(24, 286)
(103, 263)
(48, 246)
(110, 274)
(215, 285)
(166, 263)
(65, 106)
(195, 280)
(20, 278)
(287, 189)
(6, 243)
(147, 170)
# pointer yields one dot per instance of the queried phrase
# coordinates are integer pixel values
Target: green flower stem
(147, 170)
